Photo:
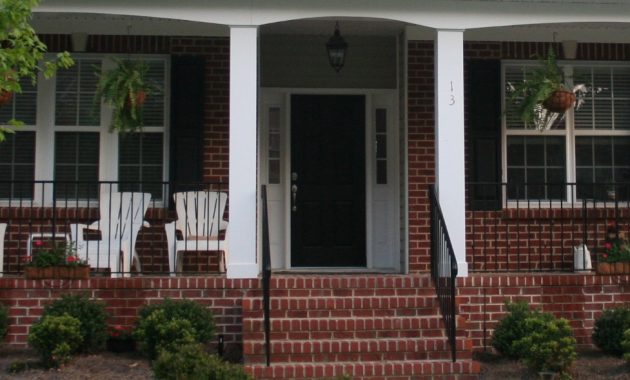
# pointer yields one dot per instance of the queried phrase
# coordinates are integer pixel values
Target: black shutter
(187, 94)
(484, 133)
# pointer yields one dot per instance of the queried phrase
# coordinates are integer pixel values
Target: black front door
(328, 181)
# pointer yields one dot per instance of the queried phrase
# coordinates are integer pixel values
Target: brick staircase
(365, 326)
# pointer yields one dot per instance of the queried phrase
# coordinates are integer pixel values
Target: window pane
(535, 151)
(603, 151)
(622, 151)
(141, 163)
(516, 151)
(76, 160)
(75, 92)
(537, 162)
(23, 106)
(555, 151)
(153, 109)
(584, 151)
(17, 165)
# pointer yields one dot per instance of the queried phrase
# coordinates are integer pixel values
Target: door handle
(294, 190)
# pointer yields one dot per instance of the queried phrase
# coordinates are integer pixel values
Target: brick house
(248, 94)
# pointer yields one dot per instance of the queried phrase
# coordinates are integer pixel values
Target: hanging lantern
(336, 48)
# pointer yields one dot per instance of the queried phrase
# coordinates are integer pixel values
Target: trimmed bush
(609, 329)
(90, 313)
(172, 323)
(512, 328)
(4, 321)
(549, 346)
(56, 338)
(190, 361)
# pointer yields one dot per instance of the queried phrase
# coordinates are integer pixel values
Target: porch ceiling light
(336, 47)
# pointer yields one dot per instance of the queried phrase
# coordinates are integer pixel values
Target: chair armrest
(76, 232)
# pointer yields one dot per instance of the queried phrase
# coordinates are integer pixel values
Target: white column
(449, 129)
(242, 261)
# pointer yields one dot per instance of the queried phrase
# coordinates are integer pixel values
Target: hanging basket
(5, 97)
(559, 101)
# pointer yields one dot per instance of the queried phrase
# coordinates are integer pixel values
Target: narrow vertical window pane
(381, 145)
(274, 145)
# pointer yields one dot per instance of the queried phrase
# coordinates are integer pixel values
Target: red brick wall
(123, 297)
(421, 150)
(579, 298)
(491, 228)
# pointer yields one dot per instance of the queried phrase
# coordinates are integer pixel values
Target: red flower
(72, 259)
(608, 246)
(604, 255)
(38, 243)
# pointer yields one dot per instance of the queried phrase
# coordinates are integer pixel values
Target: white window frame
(569, 132)
(108, 141)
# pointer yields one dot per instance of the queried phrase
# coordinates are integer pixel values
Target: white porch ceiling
(66, 23)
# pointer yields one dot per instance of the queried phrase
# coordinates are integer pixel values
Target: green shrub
(190, 361)
(609, 329)
(549, 345)
(171, 323)
(56, 338)
(90, 313)
(4, 321)
(625, 345)
(512, 328)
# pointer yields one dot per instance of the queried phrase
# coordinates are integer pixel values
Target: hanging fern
(124, 88)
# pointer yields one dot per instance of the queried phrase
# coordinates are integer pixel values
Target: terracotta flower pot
(5, 97)
(559, 101)
(619, 268)
(61, 272)
(141, 97)
(603, 268)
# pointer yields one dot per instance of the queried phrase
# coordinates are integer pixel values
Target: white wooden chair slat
(199, 220)
(121, 217)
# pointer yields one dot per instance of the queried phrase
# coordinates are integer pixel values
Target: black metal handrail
(444, 270)
(266, 273)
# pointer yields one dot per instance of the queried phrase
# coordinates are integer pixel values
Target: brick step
(426, 303)
(370, 370)
(334, 324)
(322, 335)
(342, 313)
(420, 282)
(355, 350)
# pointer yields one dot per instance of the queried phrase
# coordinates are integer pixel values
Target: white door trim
(283, 95)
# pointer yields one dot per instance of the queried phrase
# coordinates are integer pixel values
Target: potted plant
(543, 95)
(615, 258)
(125, 89)
(55, 260)
(120, 339)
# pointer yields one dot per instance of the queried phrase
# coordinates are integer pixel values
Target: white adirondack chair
(121, 217)
(3, 229)
(199, 220)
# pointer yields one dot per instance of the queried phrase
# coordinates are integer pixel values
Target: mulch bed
(590, 365)
(102, 366)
